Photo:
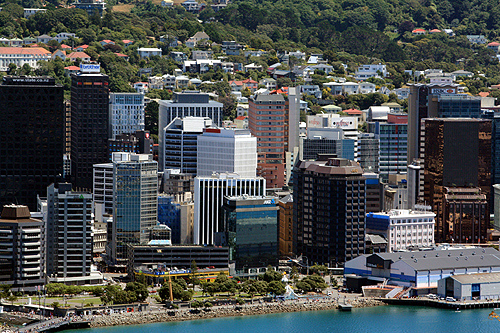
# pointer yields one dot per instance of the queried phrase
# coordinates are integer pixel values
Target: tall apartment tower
(22, 256)
(209, 193)
(393, 138)
(226, 150)
(179, 150)
(266, 121)
(186, 104)
(32, 141)
(329, 210)
(458, 168)
(89, 125)
(135, 203)
(126, 113)
(69, 234)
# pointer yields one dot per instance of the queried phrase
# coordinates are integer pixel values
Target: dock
(462, 305)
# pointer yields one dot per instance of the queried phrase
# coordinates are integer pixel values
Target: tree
(140, 290)
(229, 106)
(276, 288)
(194, 274)
(312, 283)
(271, 275)
(151, 117)
(5, 291)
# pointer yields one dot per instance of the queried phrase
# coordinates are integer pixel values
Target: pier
(54, 325)
(462, 305)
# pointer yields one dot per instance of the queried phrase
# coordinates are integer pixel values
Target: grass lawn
(123, 8)
(70, 301)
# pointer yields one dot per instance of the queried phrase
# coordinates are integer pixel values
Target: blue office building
(169, 214)
(251, 230)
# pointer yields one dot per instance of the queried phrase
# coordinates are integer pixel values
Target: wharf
(462, 305)
(54, 325)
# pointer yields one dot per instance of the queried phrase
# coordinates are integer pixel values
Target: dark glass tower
(89, 126)
(31, 138)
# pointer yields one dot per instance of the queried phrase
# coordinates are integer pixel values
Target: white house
(367, 71)
(145, 52)
(367, 88)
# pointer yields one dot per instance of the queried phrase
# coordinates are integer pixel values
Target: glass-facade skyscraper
(135, 203)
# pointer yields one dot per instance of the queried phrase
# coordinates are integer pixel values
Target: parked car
(450, 299)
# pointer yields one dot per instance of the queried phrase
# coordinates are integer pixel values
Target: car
(450, 299)
(432, 296)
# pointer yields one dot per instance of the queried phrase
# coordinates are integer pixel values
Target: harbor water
(369, 320)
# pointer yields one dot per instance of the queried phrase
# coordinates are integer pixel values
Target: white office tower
(103, 186)
(209, 193)
(178, 150)
(126, 113)
(227, 150)
(69, 236)
(186, 104)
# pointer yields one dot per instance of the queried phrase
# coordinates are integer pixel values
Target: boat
(345, 307)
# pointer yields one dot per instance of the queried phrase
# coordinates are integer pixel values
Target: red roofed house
(494, 46)
(127, 42)
(65, 47)
(250, 84)
(241, 122)
(417, 32)
(434, 31)
(71, 70)
(123, 56)
(353, 112)
(484, 94)
(236, 85)
(22, 55)
(82, 48)
(106, 42)
(79, 55)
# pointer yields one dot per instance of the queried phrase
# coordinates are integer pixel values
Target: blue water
(369, 320)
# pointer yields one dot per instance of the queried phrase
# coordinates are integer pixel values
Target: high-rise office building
(421, 105)
(285, 226)
(454, 160)
(186, 104)
(69, 235)
(32, 141)
(329, 210)
(179, 150)
(126, 113)
(139, 142)
(89, 125)
(266, 121)
(369, 152)
(209, 193)
(251, 230)
(135, 204)
(22, 253)
(226, 150)
(393, 138)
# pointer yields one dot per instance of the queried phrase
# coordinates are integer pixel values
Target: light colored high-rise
(186, 104)
(209, 193)
(226, 150)
(135, 203)
(69, 234)
(126, 113)
(103, 186)
(178, 151)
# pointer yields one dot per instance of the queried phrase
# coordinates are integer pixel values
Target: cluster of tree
(58, 289)
(134, 292)
(180, 290)
(6, 293)
(311, 283)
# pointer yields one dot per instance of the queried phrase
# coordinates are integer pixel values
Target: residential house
(82, 48)
(477, 39)
(312, 90)
(123, 56)
(197, 37)
(253, 67)
(59, 53)
(141, 87)
(283, 74)
(336, 88)
(84, 57)
(167, 3)
(449, 32)
(22, 55)
(270, 83)
(171, 41)
(494, 46)
(231, 47)
(254, 53)
(71, 70)
(200, 66)
(394, 107)
(66, 48)
(195, 82)
(155, 82)
(105, 42)
(441, 78)
(314, 59)
(181, 82)
(402, 93)
(434, 31)
(270, 70)
(417, 32)
(201, 55)
(32, 11)
(327, 69)
(168, 81)
(178, 56)
(16, 42)
(29, 40)
(193, 6)
(146, 52)
(44, 39)
(462, 73)
(241, 122)
(349, 88)
(62, 36)
(367, 71)
(367, 88)
(127, 42)
(241, 110)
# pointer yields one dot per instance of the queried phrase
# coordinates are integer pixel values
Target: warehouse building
(466, 287)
